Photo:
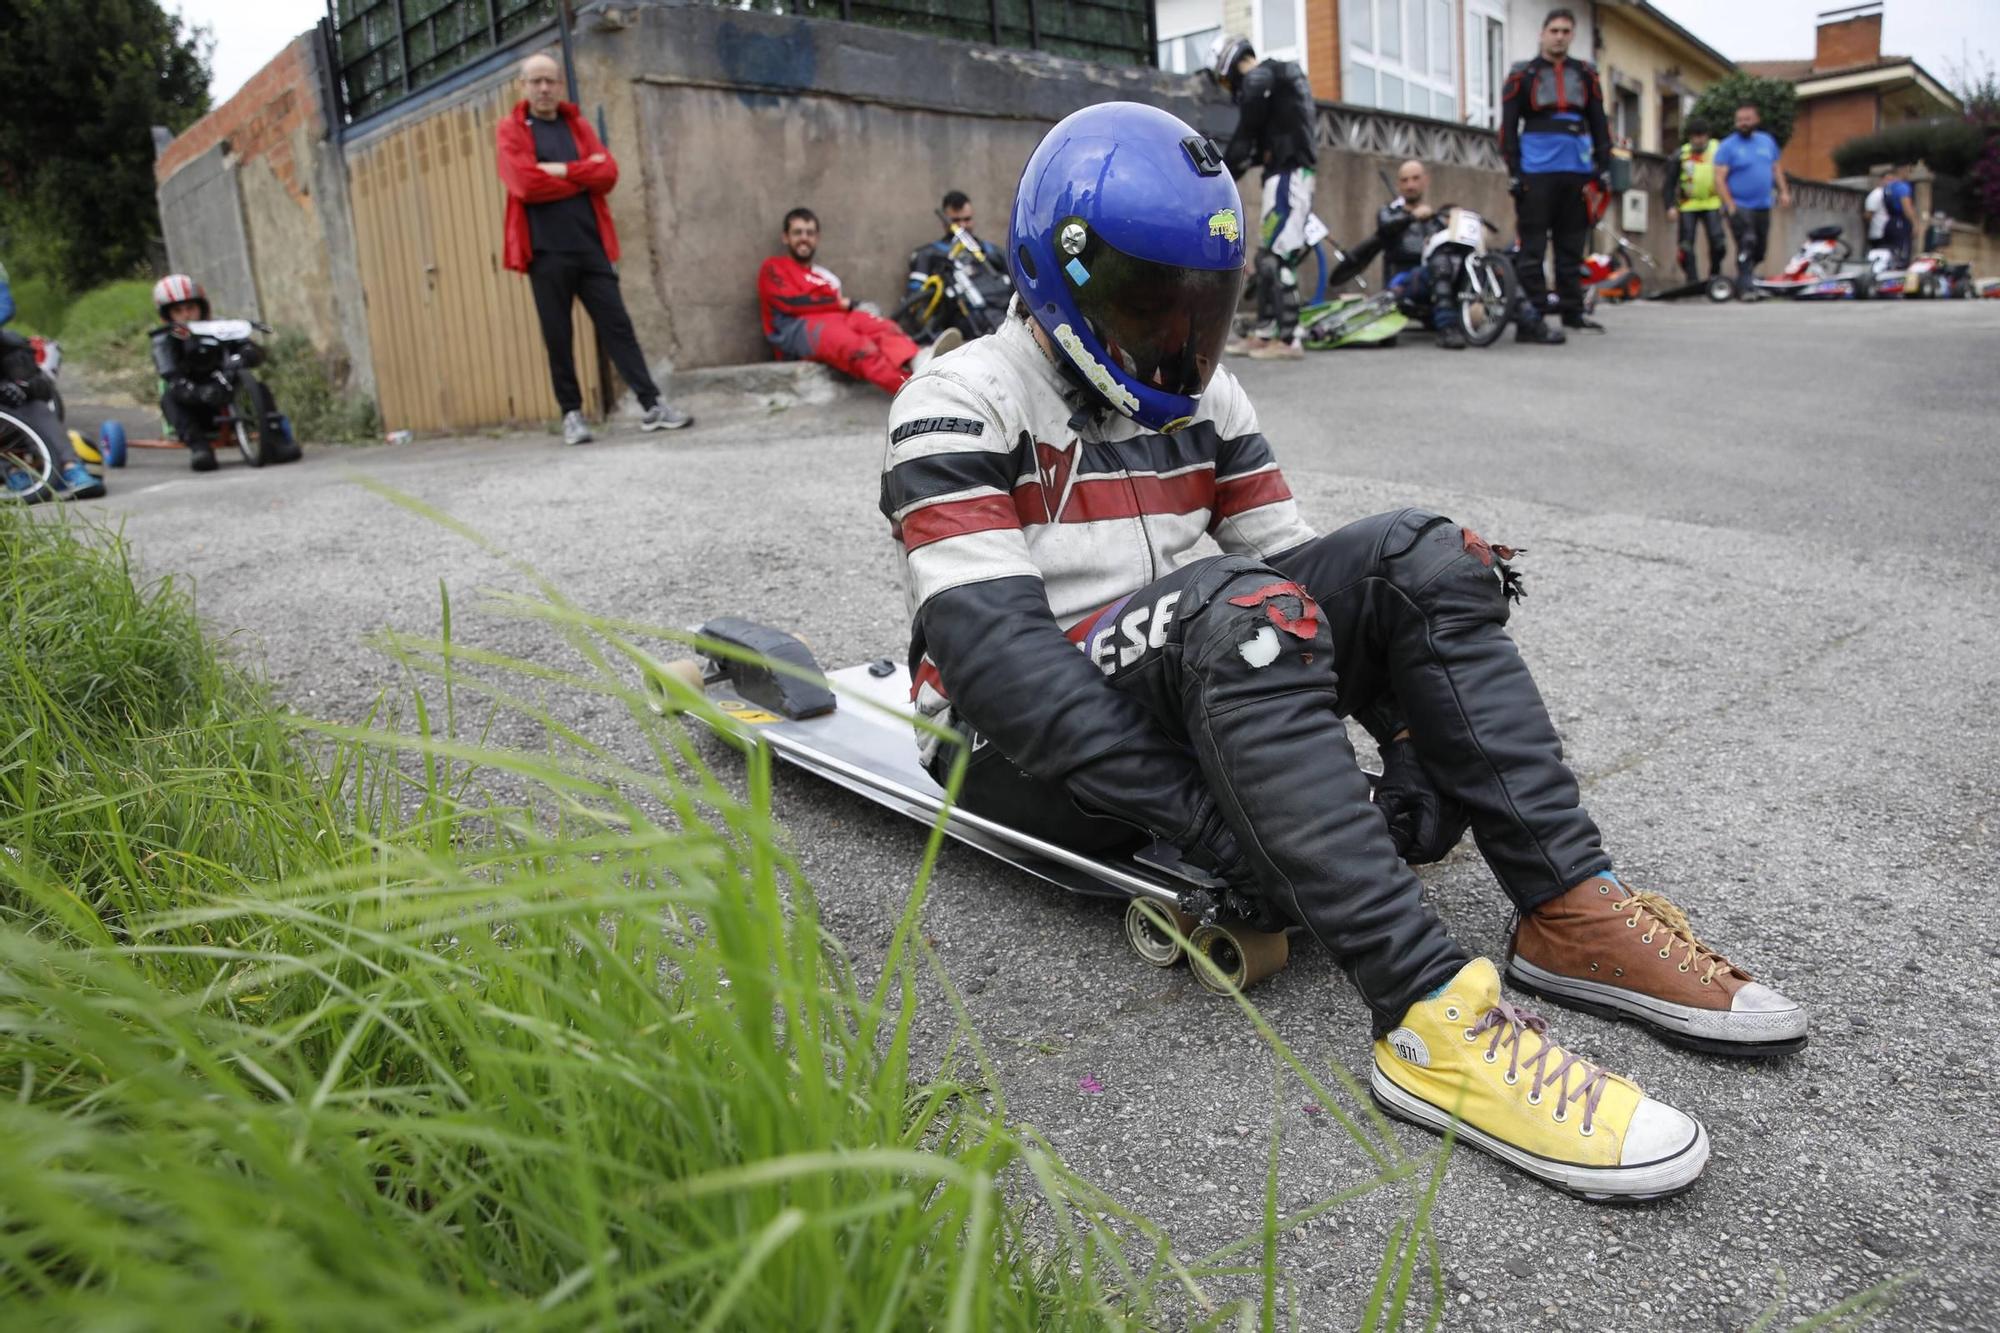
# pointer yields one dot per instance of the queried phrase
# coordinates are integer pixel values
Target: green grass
(38, 305)
(106, 328)
(387, 1026)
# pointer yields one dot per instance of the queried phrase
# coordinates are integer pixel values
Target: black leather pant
(1399, 619)
(1551, 209)
(1708, 220)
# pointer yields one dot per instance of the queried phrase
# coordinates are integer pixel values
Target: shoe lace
(1507, 1022)
(1670, 918)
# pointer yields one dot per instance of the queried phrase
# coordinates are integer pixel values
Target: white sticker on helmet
(1101, 378)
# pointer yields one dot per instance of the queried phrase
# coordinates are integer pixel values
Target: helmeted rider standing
(1557, 143)
(1275, 127)
(1049, 486)
(1403, 225)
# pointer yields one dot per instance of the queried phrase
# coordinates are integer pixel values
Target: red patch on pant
(1307, 623)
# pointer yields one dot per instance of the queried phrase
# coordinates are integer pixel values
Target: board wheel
(1146, 931)
(687, 671)
(1245, 957)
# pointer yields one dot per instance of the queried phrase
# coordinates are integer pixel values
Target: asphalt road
(1763, 577)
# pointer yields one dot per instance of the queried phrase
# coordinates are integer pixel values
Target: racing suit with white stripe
(1204, 706)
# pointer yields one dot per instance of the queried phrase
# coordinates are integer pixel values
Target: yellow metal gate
(456, 343)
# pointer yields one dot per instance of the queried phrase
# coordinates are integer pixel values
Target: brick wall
(1824, 124)
(1323, 48)
(1850, 42)
(259, 122)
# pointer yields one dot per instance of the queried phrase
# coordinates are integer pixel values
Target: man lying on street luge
(1049, 485)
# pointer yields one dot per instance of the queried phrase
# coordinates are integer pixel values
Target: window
(1280, 30)
(1399, 56)
(1188, 52)
(1625, 124)
(1485, 64)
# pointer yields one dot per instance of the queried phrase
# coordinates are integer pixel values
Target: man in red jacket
(807, 319)
(557, 173)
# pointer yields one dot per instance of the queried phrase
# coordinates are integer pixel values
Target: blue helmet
(1127, 248)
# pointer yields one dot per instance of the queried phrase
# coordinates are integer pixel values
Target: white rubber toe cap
(1657, 1132)
(1757, 998)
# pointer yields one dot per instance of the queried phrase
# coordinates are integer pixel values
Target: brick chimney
(1848, 37)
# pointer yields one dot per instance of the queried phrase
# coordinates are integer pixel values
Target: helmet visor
(1162, 325)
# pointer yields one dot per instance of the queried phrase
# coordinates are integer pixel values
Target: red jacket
(528, 184)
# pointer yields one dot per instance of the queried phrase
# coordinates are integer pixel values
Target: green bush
(1947, 147)
(105, 330)
(1777, 104)
(304, 384)
(38, 305)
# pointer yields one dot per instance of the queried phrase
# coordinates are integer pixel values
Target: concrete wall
(289, 259)
(723, 120)
(201, 212)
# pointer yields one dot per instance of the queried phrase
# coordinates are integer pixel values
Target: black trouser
(560, 278)
(193, 423)
(40, 417)
(1708, 220)
(1753, 232)
(1405, 617)
(1552, 208)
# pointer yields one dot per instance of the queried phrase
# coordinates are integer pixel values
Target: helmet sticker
(1223, 223)
(1178, 423)
(1072, 238)
(1078, 274)
(1094, 371)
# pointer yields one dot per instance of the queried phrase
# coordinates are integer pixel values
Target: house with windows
(1652, 69)
(1849, 88)
(1441, 59)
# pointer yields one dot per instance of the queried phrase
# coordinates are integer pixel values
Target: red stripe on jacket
(1239, 495)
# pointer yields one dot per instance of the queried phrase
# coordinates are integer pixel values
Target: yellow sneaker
(1467, 1053)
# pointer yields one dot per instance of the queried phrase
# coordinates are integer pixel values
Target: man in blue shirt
(1745, 166)
(1899, 201)
(1555, 140)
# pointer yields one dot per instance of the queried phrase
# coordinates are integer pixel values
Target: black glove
(1211, 846)
(1516, 188)
(1424, 823)
(212, 393)
(12, 394)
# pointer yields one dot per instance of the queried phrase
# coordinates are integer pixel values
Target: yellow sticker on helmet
(1224, 224)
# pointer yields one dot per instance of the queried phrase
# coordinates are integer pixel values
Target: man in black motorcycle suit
(191, 394)
(1403, 226)
(1275, 129)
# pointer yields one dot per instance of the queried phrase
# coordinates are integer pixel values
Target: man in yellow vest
(1691, 197)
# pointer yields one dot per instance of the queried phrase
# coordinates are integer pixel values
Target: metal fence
(1110, 32)
(385, 50)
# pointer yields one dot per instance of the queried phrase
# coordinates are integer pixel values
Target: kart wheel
(1487, 291)
(1721, 289)
(1146, 931)
(25, 464)
(662, 697)
(111, 443)
(249, 427)
(1245, 957)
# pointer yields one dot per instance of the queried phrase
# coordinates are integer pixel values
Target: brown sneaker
(1277, 349)
(1608, 951)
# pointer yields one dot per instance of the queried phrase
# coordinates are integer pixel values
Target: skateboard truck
(782, 693)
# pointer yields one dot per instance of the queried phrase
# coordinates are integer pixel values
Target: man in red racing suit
(807, 319)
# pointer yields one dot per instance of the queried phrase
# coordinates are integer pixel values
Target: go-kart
(249, 417)
(1824, 269)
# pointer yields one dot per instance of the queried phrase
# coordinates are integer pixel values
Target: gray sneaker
(663, 415)
(575, 429)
